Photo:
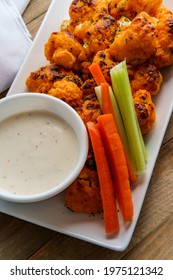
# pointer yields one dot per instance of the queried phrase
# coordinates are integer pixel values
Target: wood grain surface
(153, 236)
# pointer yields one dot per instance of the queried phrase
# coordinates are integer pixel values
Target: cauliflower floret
(64, 25)
(90, 109)
(85, 10)
(83, 195)
(63, 49)
(131, 8)
(145, 110)
(67, 91)
(137, 42)
(88, 87)
(81, 10)
(97, 34)
(42, 79)
(164, 43)
(148, 77)
(81, 31)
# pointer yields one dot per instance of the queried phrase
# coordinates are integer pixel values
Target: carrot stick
(107, 108)
(106, 99)
(97, 73)
(105, 180)
(117, 160)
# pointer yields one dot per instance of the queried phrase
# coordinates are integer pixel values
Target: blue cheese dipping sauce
(37, 152)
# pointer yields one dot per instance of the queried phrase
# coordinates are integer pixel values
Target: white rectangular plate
(52, 213)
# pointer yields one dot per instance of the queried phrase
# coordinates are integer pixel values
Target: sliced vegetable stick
(114, 148)
(97, 73)
(105, 180)
(116, 113)
(107, 108)
(123, 94)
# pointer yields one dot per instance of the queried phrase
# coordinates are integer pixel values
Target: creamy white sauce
(37, 151)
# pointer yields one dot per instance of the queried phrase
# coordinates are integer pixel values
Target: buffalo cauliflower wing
(137, 42)
(148, 77)
(67, 91)
(90, 109)
(88, 87)
(42, 79)
(83, 195)
(145, 110)
(96, 35)
(131, 8)
(164, 45)
(85, 10)
(63, 49)
(81, 10)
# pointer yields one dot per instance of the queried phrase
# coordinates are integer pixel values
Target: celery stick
(137, 123)
(99, 95)
(123, 95)
(118, 118)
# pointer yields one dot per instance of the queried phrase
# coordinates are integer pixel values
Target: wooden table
(153, 236)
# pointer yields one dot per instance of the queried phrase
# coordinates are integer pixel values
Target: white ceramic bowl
(26, 102)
